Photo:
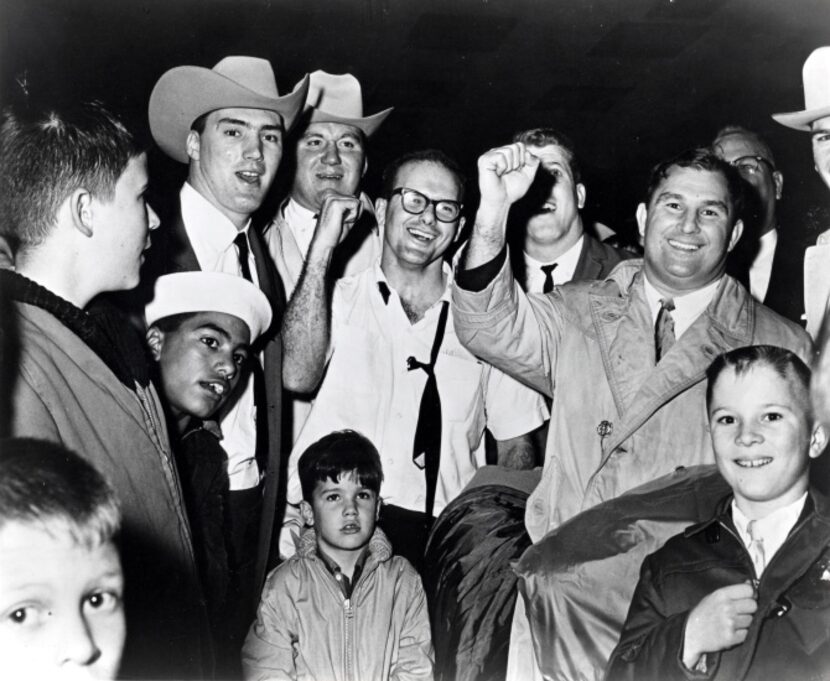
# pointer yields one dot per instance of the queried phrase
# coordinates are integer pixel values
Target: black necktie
(241, 242)
(426, 451)
(548, 285)
(664, 328)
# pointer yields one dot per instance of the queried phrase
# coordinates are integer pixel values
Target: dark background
(632, 81)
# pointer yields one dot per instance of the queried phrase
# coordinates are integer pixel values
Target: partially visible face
(61, 609)
(687, 230)
(416, 241)
(330, 157)
(122, 227)
(762, 437)
(344, 513)
(559, 214)
(766, 182)
(821, 148)
(201, 361)
(233, 162)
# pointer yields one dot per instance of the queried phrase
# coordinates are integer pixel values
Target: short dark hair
(701, 159)
(42, 482)
(390, 172)
(542, 137)
(48, 152)
(340, 453)
(783, 362)
(173, 322)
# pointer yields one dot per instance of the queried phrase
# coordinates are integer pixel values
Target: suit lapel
(591, 259)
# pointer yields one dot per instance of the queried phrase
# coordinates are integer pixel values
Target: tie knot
(753, 531)
(547, 285)
(667, 304)
(547, 269)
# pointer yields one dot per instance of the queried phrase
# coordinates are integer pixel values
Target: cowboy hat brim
(801, 120)
(186, 92)
(368, 124)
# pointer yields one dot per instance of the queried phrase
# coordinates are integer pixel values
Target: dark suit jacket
(595, 261)
(172, 252)
(785, 294)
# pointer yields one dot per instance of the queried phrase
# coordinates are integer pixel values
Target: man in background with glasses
(394, 369)
(767, 260)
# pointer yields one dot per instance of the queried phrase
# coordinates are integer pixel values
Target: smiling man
(394, 370)
(228, 124)
(329, 157)
(626, 355)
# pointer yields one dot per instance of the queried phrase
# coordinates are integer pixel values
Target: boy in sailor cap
(201, 328)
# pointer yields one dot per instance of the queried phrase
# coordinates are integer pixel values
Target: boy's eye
(104, 601)
(772, 416)
(364, 495)
(231, 132)
(332, 497)
(725, 420)
(25, 616)
(239, 358)
(212, 343)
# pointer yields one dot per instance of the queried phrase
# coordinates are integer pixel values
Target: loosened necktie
(426, 450)
(547, 270)
(241, 242)
(664, 329)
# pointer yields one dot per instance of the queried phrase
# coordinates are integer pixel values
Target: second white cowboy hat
(184, 93)
(816, 76)
(185, 292)
(336, 98)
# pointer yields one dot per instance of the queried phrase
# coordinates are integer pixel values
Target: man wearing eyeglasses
(394, 369)
(767, 260)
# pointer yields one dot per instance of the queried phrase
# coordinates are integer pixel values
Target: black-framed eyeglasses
(416, 203)
(751, 165)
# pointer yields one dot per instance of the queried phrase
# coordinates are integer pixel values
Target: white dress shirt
(687, 307)
(302, 223)
(773, 528)
(211, 235)
(368, 388)
(562, 274)
(761, 269)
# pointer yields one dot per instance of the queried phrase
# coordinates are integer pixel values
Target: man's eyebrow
(246, 124)
(820, 131)
(214, 327)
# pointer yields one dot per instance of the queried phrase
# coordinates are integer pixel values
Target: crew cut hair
(542, 137)
(390, 173)
(46, 153)
(783, 362)
(760, 142)
(343, 452)
(41, 483)
(701, 159)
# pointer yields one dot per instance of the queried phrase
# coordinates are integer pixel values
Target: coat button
(605, 428)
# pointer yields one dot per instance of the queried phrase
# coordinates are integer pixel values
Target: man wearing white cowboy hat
(815, 118)
(227, 123)
(330, 157)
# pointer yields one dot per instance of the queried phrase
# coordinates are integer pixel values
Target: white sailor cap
(185, 292)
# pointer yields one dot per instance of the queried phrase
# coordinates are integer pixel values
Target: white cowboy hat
(338, 99)
(184, 93)
(816, 76)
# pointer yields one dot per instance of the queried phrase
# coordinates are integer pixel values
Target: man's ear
(461, 222)
(365, 166)
(818, 441)
(737, 230)
(194, 145)
(778, 181)
(642, 216)
(307, 513)
(581, 193)
(155, 341)
(81, 210)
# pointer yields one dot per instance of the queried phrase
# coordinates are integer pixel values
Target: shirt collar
(687, 307)
(385, 289)
(767, 244)
(774, 527)
(565, 263)
(205, 223)
(295, 214)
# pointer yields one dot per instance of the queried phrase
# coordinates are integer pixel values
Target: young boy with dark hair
(201, 328)
(61, 583)
(745, 595)
(343, 607)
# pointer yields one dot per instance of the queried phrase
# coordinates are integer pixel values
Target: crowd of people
(344, 441)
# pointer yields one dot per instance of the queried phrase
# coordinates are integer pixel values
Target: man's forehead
(429, 177)
(332, 129)
(252, 117)
(737, 145)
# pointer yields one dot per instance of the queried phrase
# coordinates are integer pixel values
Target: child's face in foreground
(763, 438)
(60, 603)
(344, 513)
(200, 362)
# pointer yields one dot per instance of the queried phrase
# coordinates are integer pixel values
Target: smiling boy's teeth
(753, 463)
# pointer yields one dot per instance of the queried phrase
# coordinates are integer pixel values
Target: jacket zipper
(348, 614)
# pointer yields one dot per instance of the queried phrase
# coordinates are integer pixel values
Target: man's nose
(153, 220)
(331, 155)
(428, 216)
(689, 224)
(253, 147)
(78, 646)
